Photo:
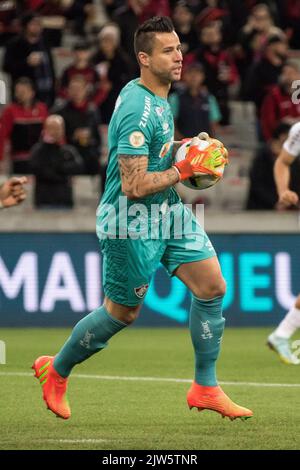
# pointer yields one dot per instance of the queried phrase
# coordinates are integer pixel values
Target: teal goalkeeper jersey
(142, 124)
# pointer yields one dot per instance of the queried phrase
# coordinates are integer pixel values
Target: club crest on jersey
(140, 292)
(137, 139)
(165, 149)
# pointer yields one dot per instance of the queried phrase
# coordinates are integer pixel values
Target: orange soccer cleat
(54, 386)
(213, 398)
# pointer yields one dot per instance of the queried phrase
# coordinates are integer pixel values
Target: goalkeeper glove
(210, 160)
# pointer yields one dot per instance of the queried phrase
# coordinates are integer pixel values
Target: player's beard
(166, 77)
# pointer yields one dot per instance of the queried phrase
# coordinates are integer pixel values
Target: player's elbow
(132, 193)
(284, 160)
(132, 196)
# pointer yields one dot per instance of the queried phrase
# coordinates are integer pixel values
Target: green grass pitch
(108, 413)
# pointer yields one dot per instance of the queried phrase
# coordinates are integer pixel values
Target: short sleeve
(292, 144)
(136, 129)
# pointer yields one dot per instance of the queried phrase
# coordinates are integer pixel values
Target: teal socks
(206, 328)
(89, 336)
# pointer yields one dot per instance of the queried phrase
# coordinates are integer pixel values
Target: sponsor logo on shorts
(140, 292)
(137, 139)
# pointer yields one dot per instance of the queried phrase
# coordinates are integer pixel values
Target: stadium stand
(248, 42)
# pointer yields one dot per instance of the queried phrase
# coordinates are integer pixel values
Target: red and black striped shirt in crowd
(21, 127)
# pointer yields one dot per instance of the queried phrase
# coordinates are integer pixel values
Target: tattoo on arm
(133, 169)
(156, 178)
(138, 182)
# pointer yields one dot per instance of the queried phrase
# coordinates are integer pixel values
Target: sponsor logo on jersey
(166, 127)
(159, 110)
(146, 112)
(140, 292)
(137, 139)
(165, 149)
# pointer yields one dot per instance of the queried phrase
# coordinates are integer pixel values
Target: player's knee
(129, 315)
(122, 313)
(215, 288)
(218, 288)
(221, 289)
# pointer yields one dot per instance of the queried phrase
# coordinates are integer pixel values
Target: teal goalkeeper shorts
(129, 264)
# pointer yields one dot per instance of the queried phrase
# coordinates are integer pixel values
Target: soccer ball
(203, 180)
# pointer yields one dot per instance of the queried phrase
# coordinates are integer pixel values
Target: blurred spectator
(289, 15)
(262, 192)
(114, 67)
(79, 11)
(215, 12)
(253, 37)
(55, 12)
(238, 13)
(137, 10)
(183, 20)
(82, 66)
(260, 25)
(193, 107)
(265, 73)
(220, 69)
(145, 9)
(9, 25)
(278, 105)
(128, 14)
(127, 17)
(53, 163)
(21, 124)
(52, 14)
(27, 56)
(82, 123)
(111, 6)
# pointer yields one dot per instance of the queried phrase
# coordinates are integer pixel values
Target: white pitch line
(76, 441)
(152, 379)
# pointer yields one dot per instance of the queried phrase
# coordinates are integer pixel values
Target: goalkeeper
(141, 167)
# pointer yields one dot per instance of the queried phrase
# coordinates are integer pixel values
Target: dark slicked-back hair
(144, 35)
